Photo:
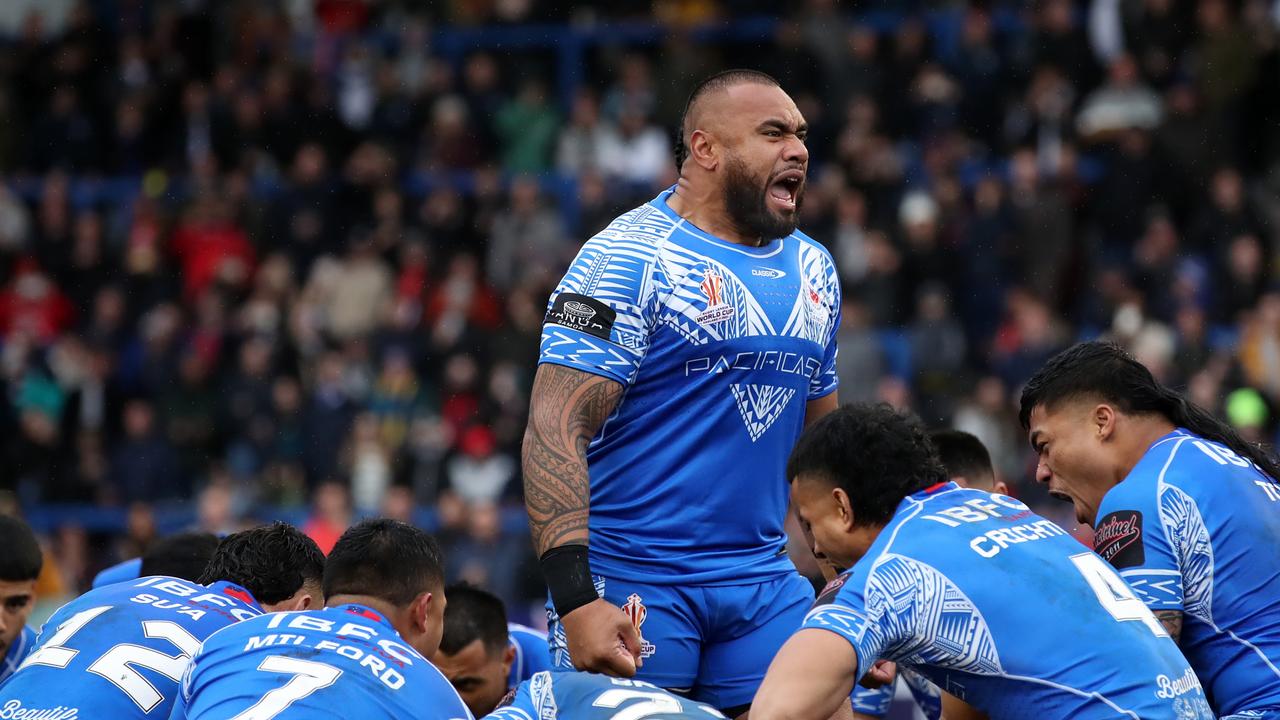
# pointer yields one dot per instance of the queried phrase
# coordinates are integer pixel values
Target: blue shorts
(711, 643)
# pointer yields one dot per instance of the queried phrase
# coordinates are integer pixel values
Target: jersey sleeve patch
(1118, 539)
(582, 313)
(832, 589)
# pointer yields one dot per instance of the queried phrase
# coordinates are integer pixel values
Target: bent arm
(566, 409)
(809, 679)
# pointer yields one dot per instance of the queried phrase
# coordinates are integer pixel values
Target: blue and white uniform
(1004, 610)
(340, 662)
(17, 652)
(1195, 528)
(533, 654)
(119, 651)
(719, 347)
(587, 696)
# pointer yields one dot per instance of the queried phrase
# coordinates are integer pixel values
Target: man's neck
(1143, 432)
(702, 206)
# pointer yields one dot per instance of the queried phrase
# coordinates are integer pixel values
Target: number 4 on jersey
(1114, 595)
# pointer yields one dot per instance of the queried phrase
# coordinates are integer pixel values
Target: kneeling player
(119, 651)
(20, 566)
(567, 695)
(364, 655)
(482, 654)
(990, 602)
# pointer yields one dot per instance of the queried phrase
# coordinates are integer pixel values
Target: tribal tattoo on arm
(567, 408)
(1172, 621)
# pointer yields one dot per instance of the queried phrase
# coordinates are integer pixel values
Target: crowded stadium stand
(289, 260)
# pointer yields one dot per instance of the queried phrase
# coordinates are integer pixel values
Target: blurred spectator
(528, 241)
(586, 139)
(144, 466)
(1123, 103)
(478, 473)
(331, 515)
(482, 557)
(527, 126)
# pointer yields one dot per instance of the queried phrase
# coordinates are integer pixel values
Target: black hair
(473, 614)
(386, 559)
(720, 81)
(21, 559)
(272, 562)
(874, 453)
(1105, 371)
(184, 555)
(964, 455)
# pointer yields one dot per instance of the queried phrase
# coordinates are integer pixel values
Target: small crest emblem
(636, 612)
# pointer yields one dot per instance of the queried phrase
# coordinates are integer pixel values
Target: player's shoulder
(641, 229)
(807, 244)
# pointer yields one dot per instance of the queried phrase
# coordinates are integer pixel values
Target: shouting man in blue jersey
(683, 352)
(993, 604)
(1186, 510)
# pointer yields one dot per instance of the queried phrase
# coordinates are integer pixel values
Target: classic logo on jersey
(636, 612)
(760, 405)
(766, 272)
(832, 589)
(582, 313)
(15, 710)
(1118, 539)
(717, 311)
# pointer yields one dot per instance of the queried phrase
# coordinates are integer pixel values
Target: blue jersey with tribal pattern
(1195, 528)
(17, 651)
(588, 696)
(719, 347)
(533, 653)
(119, 651)
(1003, 609)
(340, 662)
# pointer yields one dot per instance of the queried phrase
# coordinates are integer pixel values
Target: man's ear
(420, 611)
(508, 657)
(1103, 420)
(1000, 488)
(844, 507)
(703, 150)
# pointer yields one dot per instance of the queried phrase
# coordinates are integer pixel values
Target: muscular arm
(566, 410)
(815, 409)
(1172, 621)
(810, 677)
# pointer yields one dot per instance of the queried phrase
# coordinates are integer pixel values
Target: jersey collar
(933, 490)
(231, 589)
(365, 612)
(766, 250)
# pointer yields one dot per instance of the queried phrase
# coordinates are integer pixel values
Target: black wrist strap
(568, 576)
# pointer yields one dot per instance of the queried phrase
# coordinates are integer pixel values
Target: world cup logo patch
(636, 612)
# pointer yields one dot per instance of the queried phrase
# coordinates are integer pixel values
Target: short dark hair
(22, 558)
(874, 453)
(184, 555)
(473, 614)
(964, 455)
(272, 562)
(386, 559)
(1105, 371)
(720, 81)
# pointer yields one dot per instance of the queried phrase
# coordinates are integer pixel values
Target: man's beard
(745, 199)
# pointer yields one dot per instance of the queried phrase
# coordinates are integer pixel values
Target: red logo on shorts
(637, 612)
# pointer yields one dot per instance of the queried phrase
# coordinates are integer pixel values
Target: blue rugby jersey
(719, 346)
(1194, 527)
(533, 654)
(341, 662)
(588, 696)
(120, 650)
(1004, 610)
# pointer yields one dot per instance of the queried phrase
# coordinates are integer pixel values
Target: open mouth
(1059, 495)
(785, 189)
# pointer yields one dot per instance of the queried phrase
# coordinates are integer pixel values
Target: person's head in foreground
(474, 653)
(396, 569)
(849, 472)
(742, 158)
(20, 563)
(1093, 411)
(279, 565)
(967, 461)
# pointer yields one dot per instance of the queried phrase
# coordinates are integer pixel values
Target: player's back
(120, 650)
(339, 662)
(588, 696)
(533, 654)
(1195, 527)
(1004, 610)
